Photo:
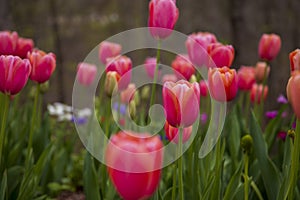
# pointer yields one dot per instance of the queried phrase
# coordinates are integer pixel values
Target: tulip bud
(203, 88)
(193, 79)
(246, 144)
(293, 92)
(150, 65)
(295, 60)
(262, 71)
(182, 67)
(132, 109)
(111, 83)
(257, 93)
(246, 78)
(220, 55)
(269, 46)
(137, 97)
(108, 50)
(8, 42)
(86, 73)
(145, 92)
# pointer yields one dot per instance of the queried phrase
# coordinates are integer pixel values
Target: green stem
(295, 163)
(155, 76)
(33, 122)
(180, 165)
(174, 183)
(256, 190)
(246, 177)
(3, 126)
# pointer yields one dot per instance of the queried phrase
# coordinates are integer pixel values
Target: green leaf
(90, 181)
(14, 175)
(233, 184)
(3, 188)
(269, 172)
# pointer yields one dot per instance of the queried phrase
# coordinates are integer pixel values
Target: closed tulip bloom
(24, 46)
(111, 82)
(86, 73)
(8, 42)
(108, 50)
(293, 92)
(181, 102)
(220, 55)
(163, 15)
(257, 93)
(14, 73)
(128, 94)
(203, 88)
(222, 83)
(197, 44)
(246, 78)
(43, 66)
(183, 67)
(122, 65)
(169, 77)
(172, 133)
(150, 65)
(295, 60)
(134, 163)
(269, 46)
(262, 71)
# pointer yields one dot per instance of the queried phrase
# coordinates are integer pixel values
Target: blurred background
(72, 28)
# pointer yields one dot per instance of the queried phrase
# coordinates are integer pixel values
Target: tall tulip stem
(155, 75)
(3, 125)
(180, 164)
(246, 177)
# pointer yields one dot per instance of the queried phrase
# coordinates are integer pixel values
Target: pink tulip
(246, 78)
(172, 133)
(257, 93)
(108, 50)
(24, 46)
(269, 46)
(150, 64)
(14, 73)
(181, 102)
(8, 42)
(197, 44)
(128, 94)
(169, 77)
(220, 55)
(261, 72)
(203, 88)
(222, 83)
(293, 92)
(43, 66)
(122, 65)
(183, 67)
(134, 164)
(163, 15)
(295, 60)
(86, 73)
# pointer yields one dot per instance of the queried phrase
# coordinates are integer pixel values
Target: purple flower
(271, 114)
(281, 135)
(122, 108)
(282, 99)
(203, 118)
(79, 120)
(294, 125)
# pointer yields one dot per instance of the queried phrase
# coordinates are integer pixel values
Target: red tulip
(43, 66)
(269, 46)
(14, 73)
(8, 42)
(220, 55)
(134, 164)
(173, 136)
(246, 78)
(86, 73)
(293, 92)
(181, 102)
(24, 46)
(150, 65)
(261, 72)
(257, 94)
(203, 88)
(108, 50)
(222, 83)
(128, 94)
(197, 44)
(183, 67)
(295, 60)
(122, 65)
(163, 15)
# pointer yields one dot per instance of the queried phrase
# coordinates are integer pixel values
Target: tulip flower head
(108, 50)
(293, 92)
(246, 78)
(111, 83)
(262, 71)
(24, 46)
(220, 55)
(14, 73)
(181, 102)
(295, 60)
(258, 92)
(163, 15)
(269, 46)
(122, 65)
(203, 88)
(128, 94)
(134, 164)
(86, 73)
(8, 42)
(222, 83)
(182, 67)
(43, 65)
(169, 77)
(150, 65)
(172, 133)
(197, 44)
